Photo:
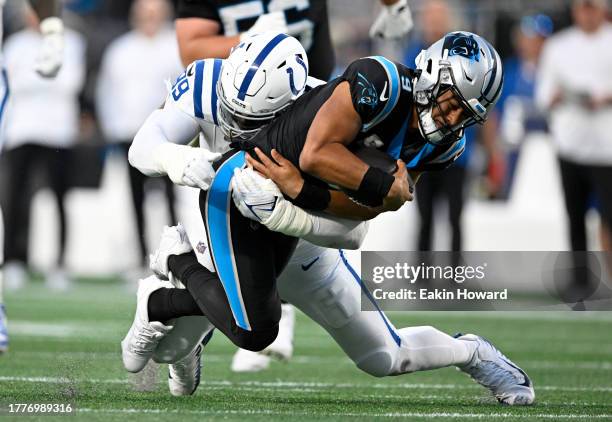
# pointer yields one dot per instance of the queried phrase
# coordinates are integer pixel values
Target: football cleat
(184, 375)
(247, 361)
(143, 337)
(4, 340)
(490, 368)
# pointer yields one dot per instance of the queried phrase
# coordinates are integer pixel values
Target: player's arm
(325, 154)
(49, 60)
(261, 200)
(200, 36)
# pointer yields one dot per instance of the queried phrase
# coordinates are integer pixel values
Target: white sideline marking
(311, 385)
(341, 414)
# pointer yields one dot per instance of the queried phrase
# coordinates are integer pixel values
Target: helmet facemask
(428, 101)
(238, 125)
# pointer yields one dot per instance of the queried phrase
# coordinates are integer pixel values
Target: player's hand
(281, 171)
(394, 21)
(254, 196)
(187, 166)
(401, 190)
(51, 53)
(273, 21)
(174, 241)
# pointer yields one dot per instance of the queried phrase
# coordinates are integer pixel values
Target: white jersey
(195, 93)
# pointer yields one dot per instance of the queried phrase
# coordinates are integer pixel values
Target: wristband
(313, 197)
(374, 187)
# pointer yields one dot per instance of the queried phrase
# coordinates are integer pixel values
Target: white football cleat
(4, 340)
(143, 337)
(490, 368)
(282, 347)
(184, 375)
(247, 361)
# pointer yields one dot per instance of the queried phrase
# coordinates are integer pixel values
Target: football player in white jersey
(48, 65)
(329, 294)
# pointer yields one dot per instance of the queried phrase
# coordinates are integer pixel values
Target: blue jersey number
(180, 87)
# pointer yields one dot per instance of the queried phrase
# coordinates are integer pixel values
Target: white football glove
(255, 196)
(394, 21)
(185, 165)
(260, 200)
(51, 54)
(273, 21)
(174, 241)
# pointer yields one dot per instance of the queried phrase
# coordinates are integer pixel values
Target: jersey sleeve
(205, 9)
(370, 86)
(195, 90)
(434, 158)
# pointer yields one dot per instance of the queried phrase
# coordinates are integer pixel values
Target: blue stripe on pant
(367, 293)
(219, 232)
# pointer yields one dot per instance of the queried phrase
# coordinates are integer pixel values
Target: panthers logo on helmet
(463, 45)
(368, 95)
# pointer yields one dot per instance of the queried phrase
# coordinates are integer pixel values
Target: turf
(65, 348)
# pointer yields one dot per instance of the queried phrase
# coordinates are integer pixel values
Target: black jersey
(306, 19)
(381, 92)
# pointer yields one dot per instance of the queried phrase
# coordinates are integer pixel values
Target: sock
(165, 304)
(430, 348)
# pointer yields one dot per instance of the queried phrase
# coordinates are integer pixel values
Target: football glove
(394, 21)
(51, 53)
(174, 241)
(185, 165)
(273, 21)
(260, 200)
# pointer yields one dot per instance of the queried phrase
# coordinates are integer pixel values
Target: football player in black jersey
(417, 117)
(211, 28)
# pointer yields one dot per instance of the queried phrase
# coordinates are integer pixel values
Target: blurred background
(80, 210)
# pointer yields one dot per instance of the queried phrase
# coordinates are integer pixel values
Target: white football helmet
(469, 66)
(261, 77)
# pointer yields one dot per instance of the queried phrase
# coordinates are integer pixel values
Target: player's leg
(240, 297)
(56, 159)
(425, 194)
(331, 296)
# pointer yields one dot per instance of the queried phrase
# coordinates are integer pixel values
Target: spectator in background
(435, 21)
(41, 128)
(516, 112)
(575, 87)
(130, 86)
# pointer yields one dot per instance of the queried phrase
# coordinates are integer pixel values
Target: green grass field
(65, 348)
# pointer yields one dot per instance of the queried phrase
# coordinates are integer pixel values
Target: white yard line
(308, 385)
(421, 415)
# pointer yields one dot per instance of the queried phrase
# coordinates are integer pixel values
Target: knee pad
(378, 363)
(187, 333)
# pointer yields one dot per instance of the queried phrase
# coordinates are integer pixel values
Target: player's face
(449, 112)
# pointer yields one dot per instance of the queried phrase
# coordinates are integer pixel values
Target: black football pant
(241, 298)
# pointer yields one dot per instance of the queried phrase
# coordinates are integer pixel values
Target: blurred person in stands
(130, 86)
(575, 87)
(41, 128)
(436, 18)
(211, 28)
(516, 112)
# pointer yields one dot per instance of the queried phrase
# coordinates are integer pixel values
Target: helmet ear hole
(429, 66)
